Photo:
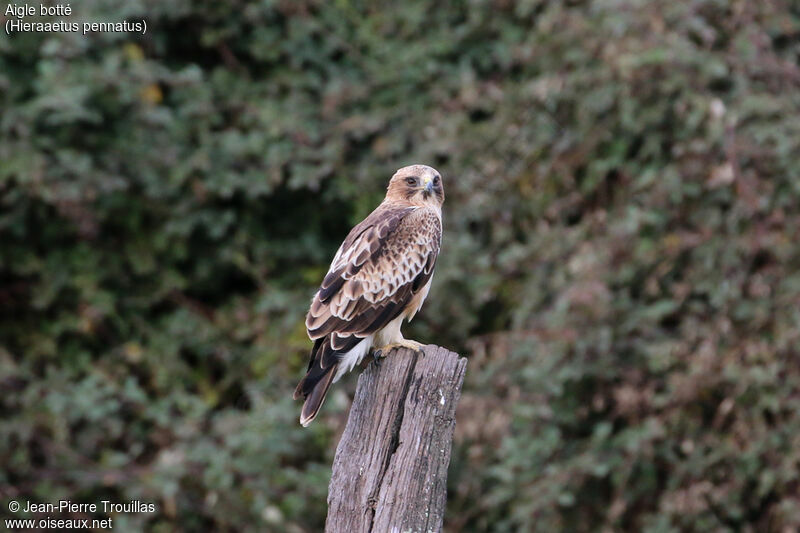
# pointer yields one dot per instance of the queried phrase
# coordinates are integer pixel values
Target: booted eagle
(379, 277)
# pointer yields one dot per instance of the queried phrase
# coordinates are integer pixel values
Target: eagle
(379, 277)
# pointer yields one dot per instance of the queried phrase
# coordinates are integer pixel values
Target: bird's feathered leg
(391, 337)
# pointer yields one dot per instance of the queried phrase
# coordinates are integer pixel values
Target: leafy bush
(620, 259)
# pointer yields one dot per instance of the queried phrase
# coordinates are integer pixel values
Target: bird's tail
(314, 386)
(317, 395)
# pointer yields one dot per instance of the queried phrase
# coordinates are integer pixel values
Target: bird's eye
(411, 181)
(436, 179)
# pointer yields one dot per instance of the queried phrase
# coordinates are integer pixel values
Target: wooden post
(390, 469)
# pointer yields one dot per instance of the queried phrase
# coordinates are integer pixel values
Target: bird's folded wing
(379, 268)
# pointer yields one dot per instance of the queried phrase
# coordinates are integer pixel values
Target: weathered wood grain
(390, 469)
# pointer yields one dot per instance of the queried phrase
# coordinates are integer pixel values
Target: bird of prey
(380, 276)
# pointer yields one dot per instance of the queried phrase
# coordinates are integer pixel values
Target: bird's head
(418, 185)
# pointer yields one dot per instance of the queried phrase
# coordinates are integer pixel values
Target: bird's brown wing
(384, 262)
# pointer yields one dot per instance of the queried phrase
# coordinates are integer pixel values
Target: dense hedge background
(620, 261)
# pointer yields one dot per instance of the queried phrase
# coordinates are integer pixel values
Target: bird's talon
(414, 346)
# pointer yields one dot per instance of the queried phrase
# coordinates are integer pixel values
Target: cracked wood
(390, 469)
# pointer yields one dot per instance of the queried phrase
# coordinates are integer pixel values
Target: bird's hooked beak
(427, 183)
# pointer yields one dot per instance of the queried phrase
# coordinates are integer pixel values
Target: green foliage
(620, 259)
